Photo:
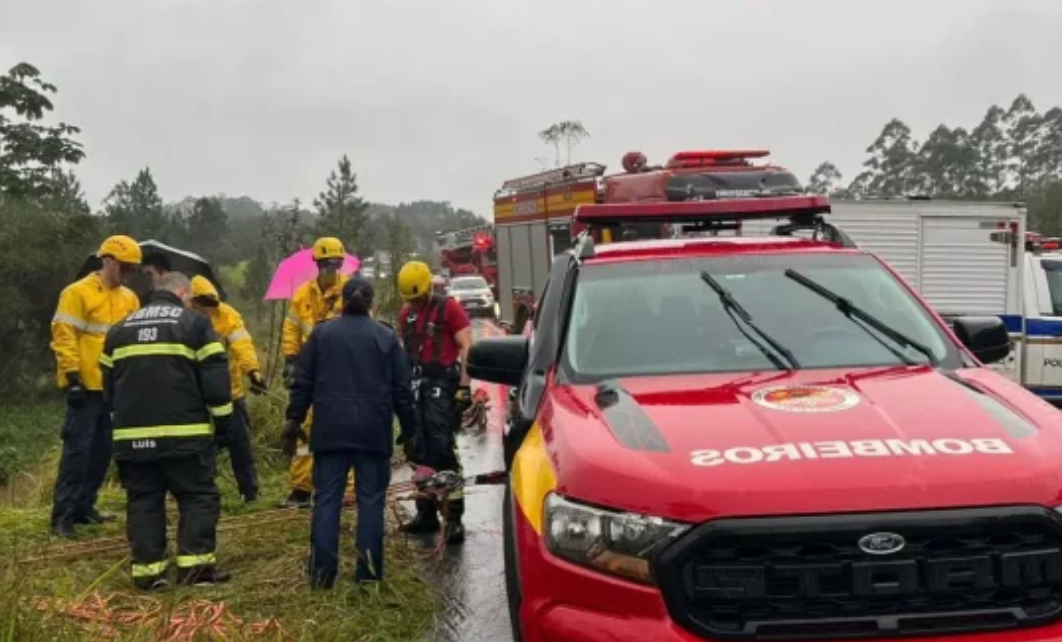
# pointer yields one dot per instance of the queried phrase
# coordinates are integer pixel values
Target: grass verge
(89, 596)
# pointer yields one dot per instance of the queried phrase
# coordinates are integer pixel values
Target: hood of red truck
(701, 446)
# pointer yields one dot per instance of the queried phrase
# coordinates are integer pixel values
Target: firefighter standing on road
(166, 376)
(86, 311)
(314, 301)
(436, 335)
(243, 362)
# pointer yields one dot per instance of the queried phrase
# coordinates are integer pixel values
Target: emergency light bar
(710, 158)
(719, 210)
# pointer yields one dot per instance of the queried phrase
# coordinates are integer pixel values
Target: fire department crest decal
(805, 398)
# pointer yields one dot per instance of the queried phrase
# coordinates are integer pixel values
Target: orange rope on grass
(191, 621)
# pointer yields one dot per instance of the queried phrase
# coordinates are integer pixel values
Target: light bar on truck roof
(710, 210)
(709, 158)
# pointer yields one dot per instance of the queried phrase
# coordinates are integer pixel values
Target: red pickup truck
(767, 438)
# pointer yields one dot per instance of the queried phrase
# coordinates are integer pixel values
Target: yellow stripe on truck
(532, 477)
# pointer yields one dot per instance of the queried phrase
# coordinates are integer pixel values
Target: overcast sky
(442, 99)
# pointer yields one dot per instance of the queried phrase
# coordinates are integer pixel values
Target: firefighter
(438, 284)
(354, 372)
(243, 362)
(86, 311)
(436, 334)
(316, 300)
(166, 376)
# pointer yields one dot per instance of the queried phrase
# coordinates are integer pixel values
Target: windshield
(468, 284)
(660, 317)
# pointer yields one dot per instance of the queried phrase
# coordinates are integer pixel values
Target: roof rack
(717, 211)
(579, 171)
(805, 213)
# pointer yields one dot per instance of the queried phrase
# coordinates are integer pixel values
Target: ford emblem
(882, 543)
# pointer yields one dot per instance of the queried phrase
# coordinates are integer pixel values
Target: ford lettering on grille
(854, 575)
(880, 578)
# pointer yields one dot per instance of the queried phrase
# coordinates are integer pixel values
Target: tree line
(1013, 154)
(48, 229)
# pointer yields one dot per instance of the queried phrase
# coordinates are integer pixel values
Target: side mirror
(986, 337)
(499, 360)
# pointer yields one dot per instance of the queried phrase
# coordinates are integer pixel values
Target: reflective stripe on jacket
(243, 359)
(165, 373)
(86, 311)
(309, 306)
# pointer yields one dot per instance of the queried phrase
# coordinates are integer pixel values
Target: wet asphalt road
(472, 576)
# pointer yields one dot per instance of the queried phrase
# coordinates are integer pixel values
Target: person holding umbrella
(317, 300)
(243, 362)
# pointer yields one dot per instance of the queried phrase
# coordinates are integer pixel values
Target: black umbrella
(190, 263)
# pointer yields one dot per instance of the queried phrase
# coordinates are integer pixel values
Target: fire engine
(467, 252)
(533, 215)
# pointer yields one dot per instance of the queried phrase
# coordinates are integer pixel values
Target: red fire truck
(533, 214)
(471, 251)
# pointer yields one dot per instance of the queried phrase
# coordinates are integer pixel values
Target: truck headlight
(612, 542)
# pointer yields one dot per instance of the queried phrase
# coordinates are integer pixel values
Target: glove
(409, 446)
(462, 400)
(289, 372)
(290, 436)
(75, 390)
(258, 384)
(223, 431)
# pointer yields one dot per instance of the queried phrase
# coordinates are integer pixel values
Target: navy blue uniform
(354, 374)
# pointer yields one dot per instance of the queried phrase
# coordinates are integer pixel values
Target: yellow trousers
(301, 469)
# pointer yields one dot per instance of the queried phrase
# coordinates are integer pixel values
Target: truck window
(656, 318)
(1053, 272)
(561, 238)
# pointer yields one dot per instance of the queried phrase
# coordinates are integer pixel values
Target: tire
(512, 565)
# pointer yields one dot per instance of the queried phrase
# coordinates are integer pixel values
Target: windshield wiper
(732, 307)
(853, 312)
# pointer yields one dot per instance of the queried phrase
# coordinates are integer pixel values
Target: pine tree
(342, 213)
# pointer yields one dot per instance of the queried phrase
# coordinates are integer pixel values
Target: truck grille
(958, 571)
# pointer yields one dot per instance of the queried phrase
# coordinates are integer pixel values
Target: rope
(106, 616)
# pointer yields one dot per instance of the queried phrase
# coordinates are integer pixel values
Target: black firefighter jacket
(165, 374)
(352, 370)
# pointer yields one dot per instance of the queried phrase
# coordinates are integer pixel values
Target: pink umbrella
(298, 269)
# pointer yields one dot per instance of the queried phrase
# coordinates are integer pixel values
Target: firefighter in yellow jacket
(86, 311)
(243, 362)
(316, 300)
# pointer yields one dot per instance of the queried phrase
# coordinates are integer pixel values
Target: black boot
(64, 528)
(153, 583)
(202, 576)
(455, 529)
(426, 520)
(298, 499)
(93, 516)
(455, 532)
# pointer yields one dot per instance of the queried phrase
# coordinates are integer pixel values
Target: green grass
(266, 561)
(28, 434)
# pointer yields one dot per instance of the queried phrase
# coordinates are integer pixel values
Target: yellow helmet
(328, 247)
(202, 287)
(122, 248)
(414, 280)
